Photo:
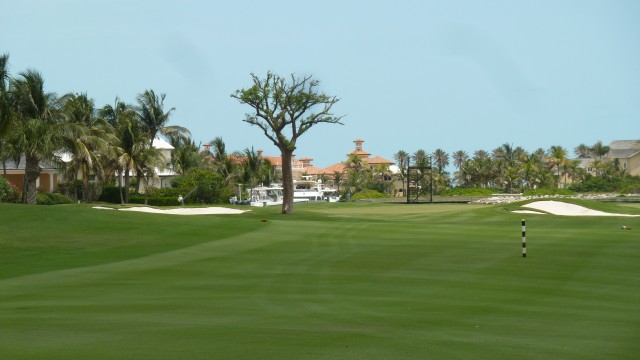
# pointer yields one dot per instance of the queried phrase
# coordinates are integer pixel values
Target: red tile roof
(377, 160)
(339, 167)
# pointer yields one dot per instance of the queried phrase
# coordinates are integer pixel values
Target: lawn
(332, 281)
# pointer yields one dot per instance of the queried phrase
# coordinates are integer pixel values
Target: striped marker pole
(524, 240)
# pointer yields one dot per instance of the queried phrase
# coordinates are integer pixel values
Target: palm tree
(480, 169)
(530, 167)
(582, 151)
(357, 173)
(185, 154)
(480, 154)
(128, 143)
(153, 117)
(7, 150)
(147, 161)
(5, 108)
(441, 160)
(507, 164)
(464, 176)
(337, 180)
(557, 158)
(459, 157)
(402, 159)
(268, 173)
(252, 166)
(38, 131)
(85, 139)
(599, 149)
(498, 153)
(224, 164)
(420, 158)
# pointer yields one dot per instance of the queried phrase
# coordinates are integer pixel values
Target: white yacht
(314, 191)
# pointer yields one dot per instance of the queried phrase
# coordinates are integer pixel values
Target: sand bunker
(183, 211)
(567, 209)
(528, 212)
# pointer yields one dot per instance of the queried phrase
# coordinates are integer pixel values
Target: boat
(266, 195)
(269, 195)
(304, 191)
(314, 191)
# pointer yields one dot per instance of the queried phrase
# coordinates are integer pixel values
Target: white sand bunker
(184, 211)
(567, 209)
(528, 212)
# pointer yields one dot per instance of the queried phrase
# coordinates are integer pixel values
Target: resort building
(627, 154)
(362, 155)
(51, 174)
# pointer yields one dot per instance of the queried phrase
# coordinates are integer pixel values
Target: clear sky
(424, 74)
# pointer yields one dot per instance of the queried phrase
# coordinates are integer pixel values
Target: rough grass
(333, 281)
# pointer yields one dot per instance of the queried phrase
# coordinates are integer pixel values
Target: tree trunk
(86, 192)
(287, 181)
(73, 184)
(31, 175)
(119, 174)
(138, 181)
(126, 184)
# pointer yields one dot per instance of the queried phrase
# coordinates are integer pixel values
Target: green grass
(332, 281)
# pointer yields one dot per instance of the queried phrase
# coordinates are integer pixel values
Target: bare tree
(285, 110)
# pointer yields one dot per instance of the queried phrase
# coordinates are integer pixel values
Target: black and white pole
(524, 240)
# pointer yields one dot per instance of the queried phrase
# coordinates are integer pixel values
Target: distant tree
(128, 145)
(540, 153)
(7, 150)
(582, 151)
(480, 154)
(153, 118)
(337, 180)
(557, 158)
(185, 154)
(251, 167)
(5, 107)
(225, 164)
(420, 158)
(599, 149)
(422, 176)
(459, 157)
(531, 168)
(285, 110)
(39, 127)
(267, 173)
(441, 160)
(154, 121)
(357, 173)
(85, 139)
(402, 160)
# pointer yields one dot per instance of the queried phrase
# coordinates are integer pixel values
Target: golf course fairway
(331, 281)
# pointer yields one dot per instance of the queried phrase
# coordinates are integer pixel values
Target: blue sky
(456, 75)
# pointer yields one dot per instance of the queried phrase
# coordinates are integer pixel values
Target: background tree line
(513, 169)
(112, 154)
(111, 147)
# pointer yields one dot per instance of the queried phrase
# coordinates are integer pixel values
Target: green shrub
(596, 184)
(459, 191)
(110, 194)
(542, 192)
(154, 199)
(367, 194)
(45, 198)
(8, 192)
(201, 186)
